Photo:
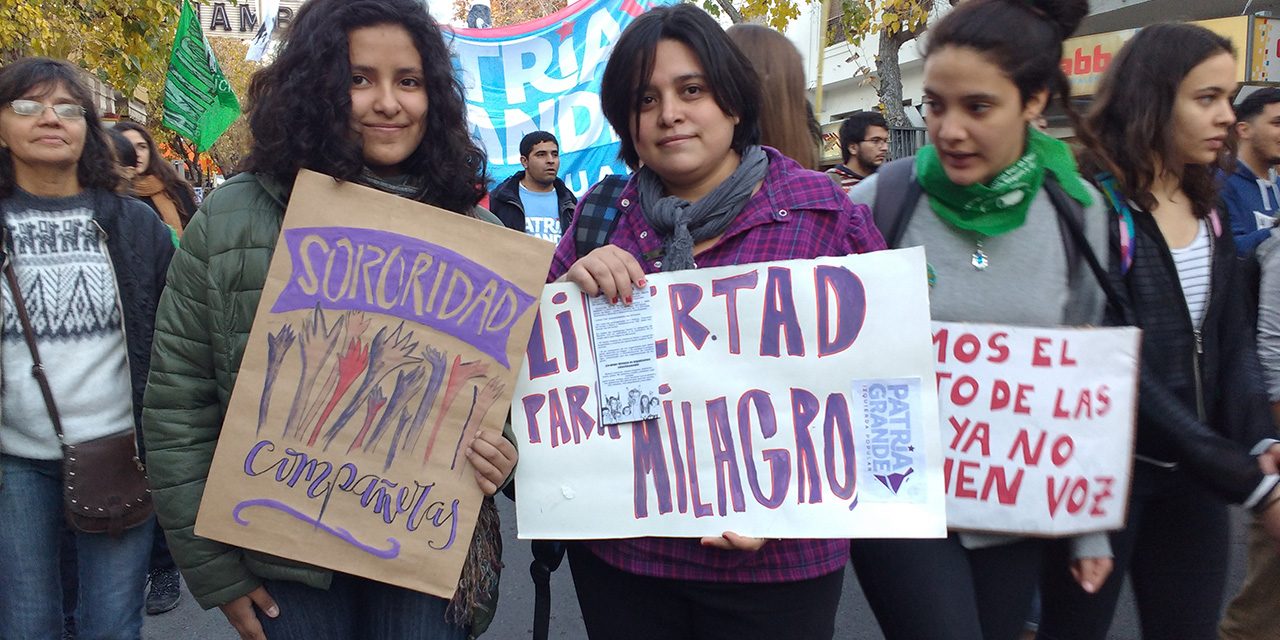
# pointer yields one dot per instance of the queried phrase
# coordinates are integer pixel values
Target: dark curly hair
(300, 105)
(96, 168)
(1132, 112)
(174, 185)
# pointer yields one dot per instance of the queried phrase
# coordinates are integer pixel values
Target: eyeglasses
(33, 108)
(879, 142)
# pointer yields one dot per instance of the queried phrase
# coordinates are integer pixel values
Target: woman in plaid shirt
(685, 103)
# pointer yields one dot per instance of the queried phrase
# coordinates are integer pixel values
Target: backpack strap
(1071, 217)
(598, 214)
(1124, 219)
(1070, 213)
(547, 556)
(897, 192)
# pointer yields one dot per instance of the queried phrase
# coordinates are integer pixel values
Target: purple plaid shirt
(796, 214)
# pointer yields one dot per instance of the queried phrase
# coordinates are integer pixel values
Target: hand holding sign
(730, 541)
(493, 458)
(1269, 460)
(607, 271)
(243, 619)
(762, 428)
(1091, 573)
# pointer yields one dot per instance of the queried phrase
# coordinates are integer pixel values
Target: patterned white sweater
(69, 287)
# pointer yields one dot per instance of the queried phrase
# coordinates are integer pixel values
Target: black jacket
(140, 247)
(1207, 420)
(504, 202)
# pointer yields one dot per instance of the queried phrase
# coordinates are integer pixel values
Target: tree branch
(734, 14)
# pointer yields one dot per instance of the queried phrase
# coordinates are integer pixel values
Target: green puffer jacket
(202, 326)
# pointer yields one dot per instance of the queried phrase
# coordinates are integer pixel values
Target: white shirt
(1193, 263)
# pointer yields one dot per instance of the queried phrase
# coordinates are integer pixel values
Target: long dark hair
(730, 76)
(96, 168)
(126, 155)
(300, 105)
(1132, 112)
(174, 186)
(1021, 37)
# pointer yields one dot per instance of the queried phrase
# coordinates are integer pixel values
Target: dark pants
(356, 609)
(939, 590)
(161, 560)
(617, 605)
(1174, 549)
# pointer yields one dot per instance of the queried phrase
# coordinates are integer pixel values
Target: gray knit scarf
(682, 224)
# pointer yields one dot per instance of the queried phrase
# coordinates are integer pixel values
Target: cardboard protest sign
(796, 399)
(389, 333)
(1039, 426)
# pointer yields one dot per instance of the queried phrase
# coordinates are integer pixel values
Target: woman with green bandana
(981, 200)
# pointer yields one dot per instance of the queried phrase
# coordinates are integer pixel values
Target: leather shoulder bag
(104, 485)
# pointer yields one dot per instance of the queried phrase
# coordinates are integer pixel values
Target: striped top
(1193, 262)
(845, 176)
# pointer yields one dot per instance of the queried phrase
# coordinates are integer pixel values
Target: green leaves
(121, 40)
(889, 17)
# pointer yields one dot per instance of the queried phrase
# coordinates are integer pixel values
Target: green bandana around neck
(1001, 205)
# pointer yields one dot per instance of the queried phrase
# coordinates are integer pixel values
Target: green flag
(198, 101)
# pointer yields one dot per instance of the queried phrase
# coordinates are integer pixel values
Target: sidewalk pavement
(515, 609)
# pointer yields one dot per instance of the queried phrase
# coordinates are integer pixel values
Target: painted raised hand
(315, 343)
(458, 376)
(480, 406)
(277, 346)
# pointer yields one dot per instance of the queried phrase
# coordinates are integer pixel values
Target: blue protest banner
(545, 75)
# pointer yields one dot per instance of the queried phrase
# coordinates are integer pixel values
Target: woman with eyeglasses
(90, 265)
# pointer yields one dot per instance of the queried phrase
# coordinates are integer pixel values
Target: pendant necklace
(979, 260)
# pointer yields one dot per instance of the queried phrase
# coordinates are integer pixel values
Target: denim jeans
(356, 609)
(112, 571)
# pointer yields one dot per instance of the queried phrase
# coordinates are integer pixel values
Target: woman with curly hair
(69, 236)
(362, 90)
(156, 182)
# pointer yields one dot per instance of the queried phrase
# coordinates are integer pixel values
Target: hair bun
(1066, 14)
